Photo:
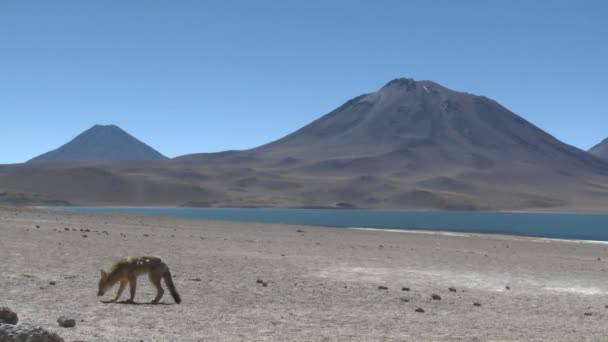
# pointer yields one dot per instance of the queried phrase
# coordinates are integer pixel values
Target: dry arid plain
(317, 284)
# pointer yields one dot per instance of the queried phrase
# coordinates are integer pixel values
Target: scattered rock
(299, 231)
(66, 322)
(419, 310)
(382, 288)
(66, 229)
(265, 284)
(436, 296)
(84, 235)
(8, 316)
(588, 313)
(28, 333)
(404, 300)
(259, 281)
(195, 279)
(37, 226)
(508, 288)
(452, 289)
(477, 304)
(146, 235)
(405, 289)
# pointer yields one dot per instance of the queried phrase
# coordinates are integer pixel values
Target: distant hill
(102, 143)
(600, 150)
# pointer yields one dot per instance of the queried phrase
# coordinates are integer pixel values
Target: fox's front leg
(121, 288)
(132, 288)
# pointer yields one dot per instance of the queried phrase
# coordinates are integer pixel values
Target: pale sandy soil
(322, 282)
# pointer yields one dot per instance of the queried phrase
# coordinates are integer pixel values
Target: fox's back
(139, 265)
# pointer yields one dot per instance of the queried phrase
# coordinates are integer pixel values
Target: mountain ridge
(408, 145)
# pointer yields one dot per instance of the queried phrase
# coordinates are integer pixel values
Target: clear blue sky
(202, 76)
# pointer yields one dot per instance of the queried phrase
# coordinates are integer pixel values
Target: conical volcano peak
(103, 142)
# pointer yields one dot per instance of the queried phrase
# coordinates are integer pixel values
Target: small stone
(84, 235)
(52, 283)
(66, 229)
(299, 231)
(8, 316)
(259, 281)
(37, 226)
(508, 288)
(404, 300)
(265, 284)
(477, 304)
(419, 310)
(452, 289)
(382, 288)
(146, 235)
(66, 322)
(195, 279)
(436, 296)
(405, 289)
(588, 313)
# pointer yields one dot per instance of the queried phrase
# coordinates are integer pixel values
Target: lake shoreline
(563, 226)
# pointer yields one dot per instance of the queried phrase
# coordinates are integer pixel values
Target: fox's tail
(171, 286)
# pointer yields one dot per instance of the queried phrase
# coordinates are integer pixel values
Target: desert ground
(322, 284)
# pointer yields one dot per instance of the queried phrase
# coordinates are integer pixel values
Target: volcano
(102, 142)
(426, 123)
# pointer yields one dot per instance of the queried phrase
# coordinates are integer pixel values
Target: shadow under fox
(126, 270)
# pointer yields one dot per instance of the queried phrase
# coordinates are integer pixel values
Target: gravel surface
(263, 282)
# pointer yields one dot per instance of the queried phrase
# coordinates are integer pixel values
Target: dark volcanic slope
(600, 150)
(102, 143)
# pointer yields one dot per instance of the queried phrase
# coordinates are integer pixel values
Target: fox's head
(103, 283)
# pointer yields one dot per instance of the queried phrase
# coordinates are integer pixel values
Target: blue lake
(548, 225)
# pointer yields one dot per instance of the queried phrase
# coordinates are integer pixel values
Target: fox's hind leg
(155, 280)
(121, 288)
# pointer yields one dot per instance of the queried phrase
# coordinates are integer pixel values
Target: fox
(127, 269)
